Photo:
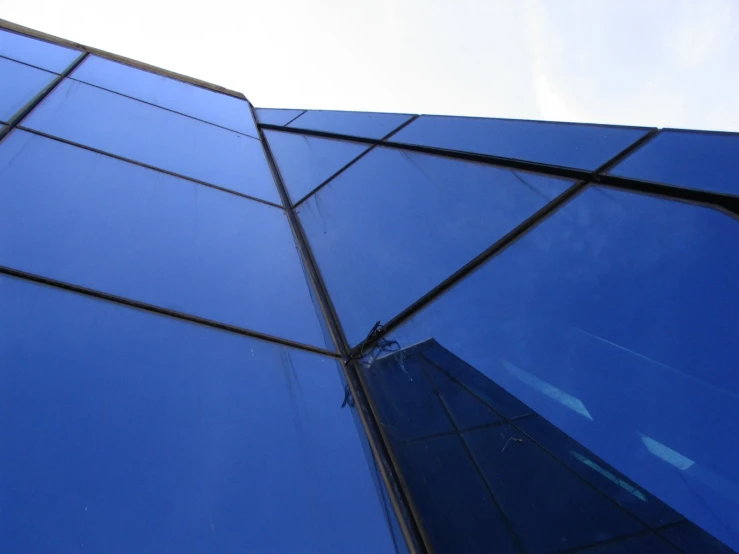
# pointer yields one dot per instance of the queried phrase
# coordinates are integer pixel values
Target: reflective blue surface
(359, 124)
(436, 495)
(616, 319)
(306, 162)
(92, 220)
(125, 431)
(396, 224)
(20, 84)
(548, 506)
(646, 544)
(36, 52)
(563, 144)
(277, 117)
(221, 109)
(695, 160)
(107, 121)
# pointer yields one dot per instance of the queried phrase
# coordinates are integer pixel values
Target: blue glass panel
(277, 117)
(125, 431)
(221, 109)
(691, 539)
(358, 124)
(645, 544)
(563, 144)
(20, 84)
(111, 122)
(695, 160)
(45, 55)
(306, 162)
(616, 319)
(428, 464)
(594, 470)
(549, 508)
(406, 400)
(403, 222)
(86, 218)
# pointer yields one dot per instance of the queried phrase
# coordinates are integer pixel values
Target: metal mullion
(376, 439)
(36, 100)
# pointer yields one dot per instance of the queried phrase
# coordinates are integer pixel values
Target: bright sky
(669, 63)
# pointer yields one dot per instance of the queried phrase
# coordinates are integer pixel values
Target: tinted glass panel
(704, 161)
(85, 218)
(432, 461)
(359, 124)
(648, 544)
(125, 431)
(563, 144)
(616, 319)
(306, 162)
(107, 121)
(36, 52)
(277, 117)
(221, 109)
(403, 222)
(690, 539)
(603, 477)
(540, 496)
(20, 84)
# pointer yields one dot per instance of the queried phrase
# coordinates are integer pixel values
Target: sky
(666, 63)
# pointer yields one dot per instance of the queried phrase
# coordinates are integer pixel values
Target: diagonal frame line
(352, 162)
(505, 241)
(151, 308)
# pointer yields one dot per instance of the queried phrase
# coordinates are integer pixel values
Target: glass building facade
(232, 329)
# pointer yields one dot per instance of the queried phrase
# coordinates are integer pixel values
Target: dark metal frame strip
(380, 447)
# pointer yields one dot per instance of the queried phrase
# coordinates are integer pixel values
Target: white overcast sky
(669, 63)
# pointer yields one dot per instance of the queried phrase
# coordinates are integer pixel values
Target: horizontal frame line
(146, 166)
(151, 308)
(71, 78)
(29, 64)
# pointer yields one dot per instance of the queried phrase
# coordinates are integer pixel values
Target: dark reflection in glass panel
(550, 509)
(439, 499)
(221, 109)
(111, 122)
(20, 84)
(403, 222)
(125, 431)
(645, 544)
(36, 52)
(563, 144)
(306, 162)
(695, 160)
(689, 539)
(616, 319)
(277, 116)
(358, 124)
(92, 220)
(602, 476)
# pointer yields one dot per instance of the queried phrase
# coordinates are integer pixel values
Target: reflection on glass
(85, 218)
(20, 84)
(403, 222)
(126, 431)
(358, 124)
(628, 303)
(551, 492)
(39, 53)
(695, 160)
(214, 107)
(131, 129)
(563, 144)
